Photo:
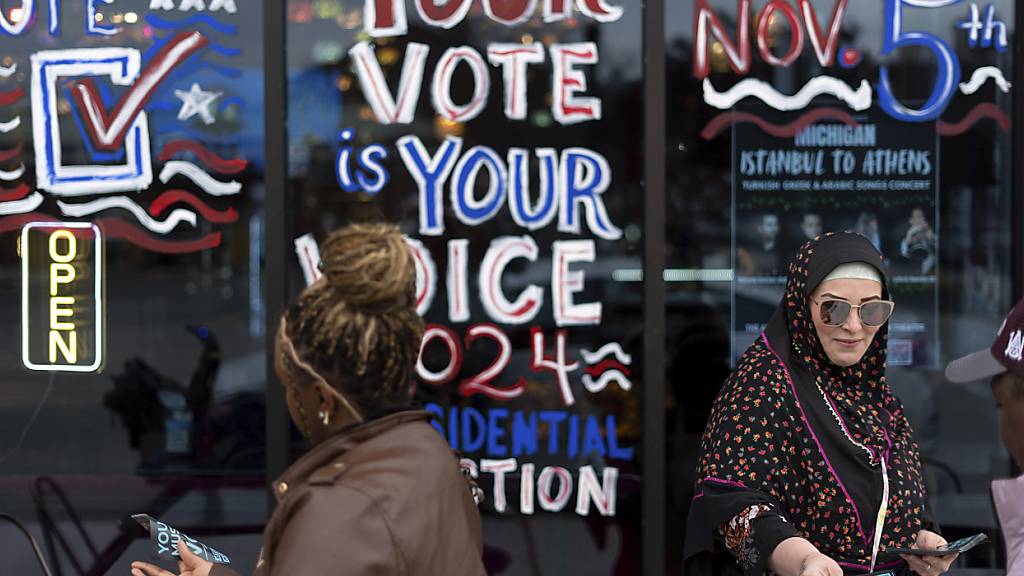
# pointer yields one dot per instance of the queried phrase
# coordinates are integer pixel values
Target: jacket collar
(338, 445)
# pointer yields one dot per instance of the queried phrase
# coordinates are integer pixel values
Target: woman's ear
(325, 398)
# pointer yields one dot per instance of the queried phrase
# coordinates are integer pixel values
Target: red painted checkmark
(107, 129)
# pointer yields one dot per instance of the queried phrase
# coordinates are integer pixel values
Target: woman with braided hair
(808, 466)
(380, 493)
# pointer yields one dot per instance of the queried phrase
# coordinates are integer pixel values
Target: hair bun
(370, 268)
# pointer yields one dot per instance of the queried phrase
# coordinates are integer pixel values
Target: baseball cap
(1005, 354)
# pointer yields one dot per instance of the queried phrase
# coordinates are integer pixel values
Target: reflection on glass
(507, 147)
(143, 118)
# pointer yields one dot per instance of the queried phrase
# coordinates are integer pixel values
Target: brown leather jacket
(385, 498)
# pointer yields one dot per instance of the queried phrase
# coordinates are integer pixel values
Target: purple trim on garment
(719, 481)
(726, 482)
(874, 454)
(868, 568)
(821, 450)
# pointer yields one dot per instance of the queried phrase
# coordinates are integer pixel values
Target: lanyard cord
(880, 520)
(884, 506)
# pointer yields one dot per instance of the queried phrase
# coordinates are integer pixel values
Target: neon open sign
(62, 296)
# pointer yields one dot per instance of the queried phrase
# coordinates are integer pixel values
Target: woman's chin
(845, 359)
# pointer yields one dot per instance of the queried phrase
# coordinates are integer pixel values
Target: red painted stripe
(16, 221)
(513, 51)
(172, 196)
(119, 229)
(606, 365)
(16, 193)
(6, 155)
(212, 160)
(113, 228)
(8, 98)
(977, 114)
(728, 119)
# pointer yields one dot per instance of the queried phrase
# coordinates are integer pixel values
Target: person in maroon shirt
(1003, 364)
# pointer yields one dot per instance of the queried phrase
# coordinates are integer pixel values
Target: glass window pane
(510, 154)
(146, 120)
(778, 131)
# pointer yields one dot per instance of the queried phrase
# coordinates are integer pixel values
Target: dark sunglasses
(875, 313)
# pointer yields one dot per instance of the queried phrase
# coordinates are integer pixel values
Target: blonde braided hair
(357, 326)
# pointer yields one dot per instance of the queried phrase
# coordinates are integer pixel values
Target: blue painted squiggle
(158, 22)
(194, 67)
(224, 50)
(157, 45)
(227, 71)
(160, 41)
(202, 136)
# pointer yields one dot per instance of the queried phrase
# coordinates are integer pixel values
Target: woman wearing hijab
(380, 493)
(808, 465)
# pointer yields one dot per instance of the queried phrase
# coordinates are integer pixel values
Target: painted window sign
(125, 133)
(62, 296)
(982, 25)
(839, 154)
(389, 18)
(523, 377)
(567, 81)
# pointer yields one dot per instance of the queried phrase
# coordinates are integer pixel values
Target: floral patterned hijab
(794, 443)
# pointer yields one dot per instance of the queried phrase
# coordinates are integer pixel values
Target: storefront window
(506, 142)
(142, 120)
(505, 138)
(784, 123)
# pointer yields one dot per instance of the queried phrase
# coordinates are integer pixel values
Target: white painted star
(196, 101)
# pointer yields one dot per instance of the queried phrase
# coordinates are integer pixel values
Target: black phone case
(919, 552)
(957, 547)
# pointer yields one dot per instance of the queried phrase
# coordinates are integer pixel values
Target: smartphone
(955, 547)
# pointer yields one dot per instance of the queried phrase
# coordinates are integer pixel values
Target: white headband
(854, 271)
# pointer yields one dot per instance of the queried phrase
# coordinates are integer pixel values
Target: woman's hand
(798, 557)
(929, 565)
(189, 565)
(819, 565)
